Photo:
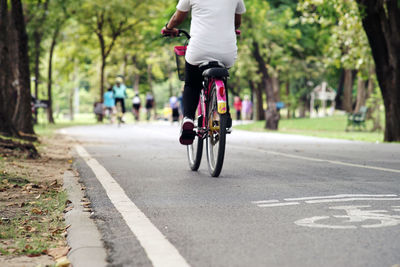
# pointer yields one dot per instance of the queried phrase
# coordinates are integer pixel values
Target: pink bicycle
(212, 112)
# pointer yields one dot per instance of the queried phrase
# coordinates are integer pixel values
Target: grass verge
(33, 224)
(328, 127)
(32, 202)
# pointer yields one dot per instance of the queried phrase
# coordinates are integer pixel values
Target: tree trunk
(288, 104)
(339, 94)
(37, 41)
(361, 94)
(302, 108)
(50, 79)
(136, 83)
(370, 89)
(276, 88)
(259, 110)
(125, 66)
(71, 104)
(271, 115)
(6, 126)
(347, 101)
(23, 116)
(150, 82)
(102, 74)
(381, 22)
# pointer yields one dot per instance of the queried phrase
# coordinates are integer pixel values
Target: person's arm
(240, 9)
(175, 21)
(238, 21)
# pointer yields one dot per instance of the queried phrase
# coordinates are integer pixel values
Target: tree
(108, 20)
(272, 37)
(6, 125)
(381, 21)
(15, 98)
(37, 12)
(57, 19)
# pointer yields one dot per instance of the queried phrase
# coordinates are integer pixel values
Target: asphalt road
(281, 200)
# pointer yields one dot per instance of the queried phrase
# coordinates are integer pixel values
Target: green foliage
(347, 45)
(302, 42)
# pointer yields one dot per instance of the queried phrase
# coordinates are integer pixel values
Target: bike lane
(219, 222)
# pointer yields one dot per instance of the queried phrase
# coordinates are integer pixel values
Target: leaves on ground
(32, 219)
(59, 252)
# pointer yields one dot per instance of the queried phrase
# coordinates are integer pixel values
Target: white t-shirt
(212, 30)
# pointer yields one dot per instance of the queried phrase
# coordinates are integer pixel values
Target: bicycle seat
(216, 72)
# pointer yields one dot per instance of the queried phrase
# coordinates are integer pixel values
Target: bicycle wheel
(195, 150)
(216, 137)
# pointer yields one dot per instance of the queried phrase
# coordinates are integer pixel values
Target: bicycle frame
(202, 106)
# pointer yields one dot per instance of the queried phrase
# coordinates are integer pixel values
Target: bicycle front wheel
(195, 150)
(216, 137)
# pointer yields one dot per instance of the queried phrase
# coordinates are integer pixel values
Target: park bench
(357, 119)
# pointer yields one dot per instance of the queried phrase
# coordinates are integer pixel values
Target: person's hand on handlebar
(174, 32)
(177, 19)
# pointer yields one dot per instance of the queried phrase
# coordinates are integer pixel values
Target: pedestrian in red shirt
(237, 104)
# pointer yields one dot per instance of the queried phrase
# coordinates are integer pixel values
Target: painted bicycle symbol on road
(354, 214)
(345, 216)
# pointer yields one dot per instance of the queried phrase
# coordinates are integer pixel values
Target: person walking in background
(119, 90)
(149, 104)
(109, 104)
(247, 108)
(98, 109)
(180, 100)
(136, 103)
(174, 104)
(237, 104)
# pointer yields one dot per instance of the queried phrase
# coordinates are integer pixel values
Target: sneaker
(187, 133)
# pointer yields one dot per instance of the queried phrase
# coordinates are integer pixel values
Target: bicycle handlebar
(180, 32)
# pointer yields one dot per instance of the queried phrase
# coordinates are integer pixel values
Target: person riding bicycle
(119, 90)
(213, 38)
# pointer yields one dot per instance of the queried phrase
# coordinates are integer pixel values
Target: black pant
(122, 103)
(191, 92)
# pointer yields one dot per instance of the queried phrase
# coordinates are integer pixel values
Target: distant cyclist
(212, 39)
(119, 90)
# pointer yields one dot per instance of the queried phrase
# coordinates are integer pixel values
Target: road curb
(83, 236)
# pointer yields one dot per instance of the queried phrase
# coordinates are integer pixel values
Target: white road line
(158, 249)
(348, 199)
(278, 204)
(338, 196)
(317, 160)
(265, 201)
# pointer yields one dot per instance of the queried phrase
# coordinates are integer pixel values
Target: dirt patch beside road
(32, 204)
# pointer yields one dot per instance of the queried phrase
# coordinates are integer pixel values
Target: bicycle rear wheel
(216, 137)
(195, 150)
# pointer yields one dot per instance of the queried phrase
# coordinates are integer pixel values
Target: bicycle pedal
(188, 133)
(187, 137)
